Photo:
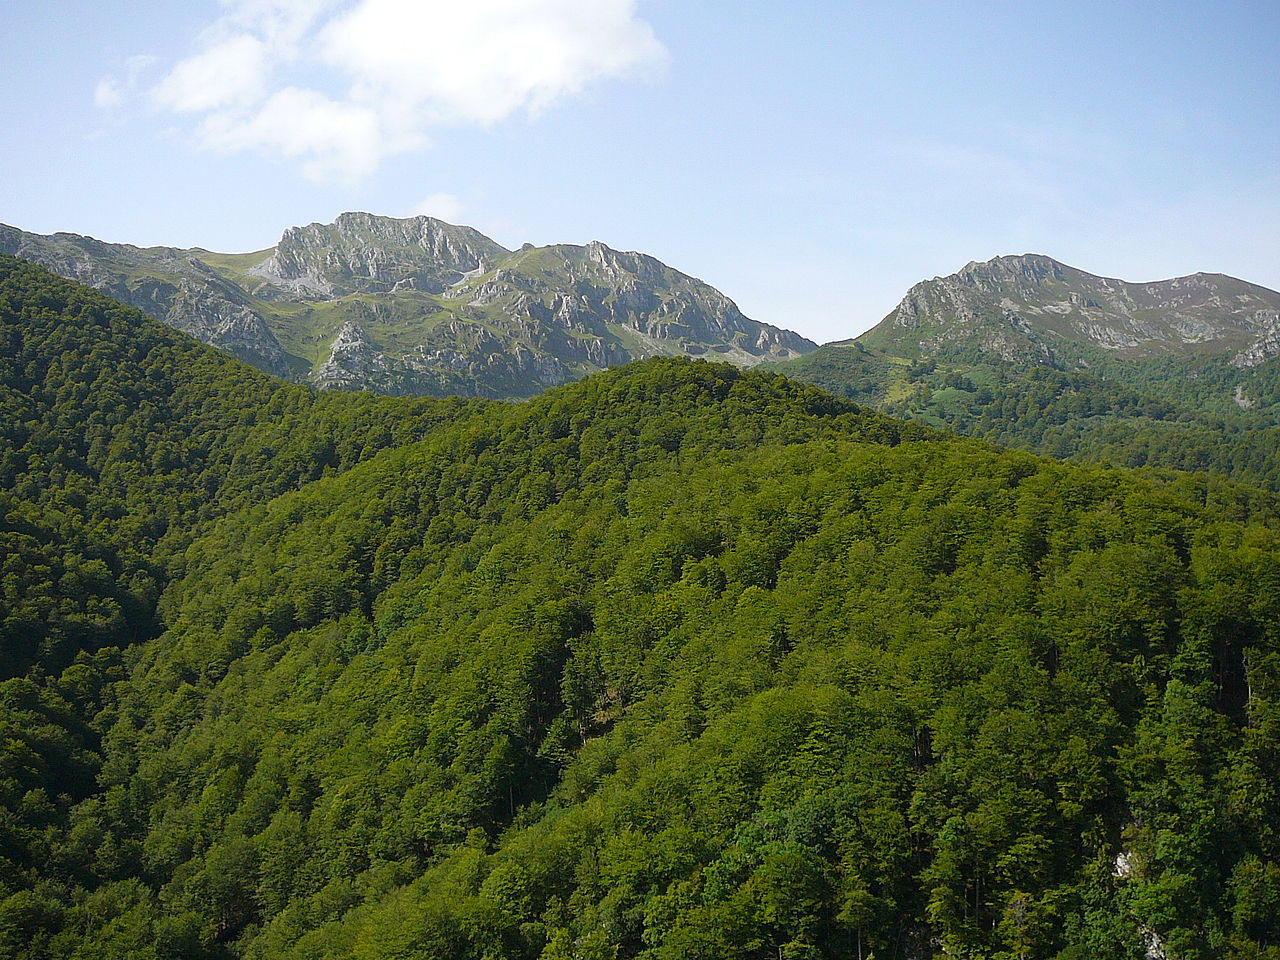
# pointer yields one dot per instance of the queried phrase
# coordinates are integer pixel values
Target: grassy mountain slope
(1033, 308)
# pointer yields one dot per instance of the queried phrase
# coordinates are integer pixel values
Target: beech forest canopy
(1163, 412)
(678, 661)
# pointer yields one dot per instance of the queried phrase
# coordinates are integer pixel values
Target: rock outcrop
(362, 253)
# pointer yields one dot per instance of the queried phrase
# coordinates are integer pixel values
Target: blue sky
(811, 159)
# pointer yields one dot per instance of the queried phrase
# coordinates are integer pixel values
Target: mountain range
(419, 306)
(1023, 350)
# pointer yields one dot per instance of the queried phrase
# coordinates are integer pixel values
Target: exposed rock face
(361, 253)
(1031, 308)
(1265, 347)
(461, 358)
(353, 360)
(655, 309)
(420, 306)
(1124, 868)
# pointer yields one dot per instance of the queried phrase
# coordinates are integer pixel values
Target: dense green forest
(676, 662)
(119, 439)
(1164, 412)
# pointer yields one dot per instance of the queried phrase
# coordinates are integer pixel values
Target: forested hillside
(119, 438)
(1198, 414)
(676, 662)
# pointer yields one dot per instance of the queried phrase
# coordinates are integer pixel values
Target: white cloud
(230, 72)
(341, 86)
(482, 61)
(442, 206)
(285, 22)
(335, 140)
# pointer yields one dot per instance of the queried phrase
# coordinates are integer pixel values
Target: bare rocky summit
(363, 253)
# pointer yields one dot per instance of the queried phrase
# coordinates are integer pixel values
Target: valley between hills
(959, 639)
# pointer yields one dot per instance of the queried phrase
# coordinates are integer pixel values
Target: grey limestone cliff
(362, 253)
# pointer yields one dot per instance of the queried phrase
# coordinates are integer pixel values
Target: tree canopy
(677, 662)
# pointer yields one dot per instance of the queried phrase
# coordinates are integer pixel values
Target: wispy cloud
(229, 73)
(983, 174)
(112, 91)
(342, 86)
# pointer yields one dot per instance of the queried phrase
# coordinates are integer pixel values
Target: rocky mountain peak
(1033, 308)
(618, 263)
(1026, 268)
(364, 253)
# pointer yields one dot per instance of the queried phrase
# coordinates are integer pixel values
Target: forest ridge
(677, 661)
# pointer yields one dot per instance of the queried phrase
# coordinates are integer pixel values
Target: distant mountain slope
(167, 283)
(1032, 353)
(419, 306)
(1033, 308)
